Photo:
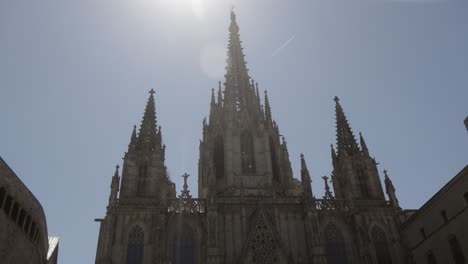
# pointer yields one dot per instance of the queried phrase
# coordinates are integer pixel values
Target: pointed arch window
(142, 174)
(247, 153)
(219, 157)
(362, 182)
(135, 246)
(382, 252)
(457, 251)
(274, 160)
(335, 245)
(184, 246)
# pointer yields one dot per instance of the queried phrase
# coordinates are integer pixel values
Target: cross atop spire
(344, 135)
(148, 134)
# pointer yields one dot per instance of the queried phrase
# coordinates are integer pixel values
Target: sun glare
(195, 7)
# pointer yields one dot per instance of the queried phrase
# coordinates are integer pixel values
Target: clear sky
(75, 76)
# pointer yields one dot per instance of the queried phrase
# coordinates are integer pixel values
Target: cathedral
(250, 208)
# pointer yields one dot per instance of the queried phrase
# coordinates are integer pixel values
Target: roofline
(458, 177)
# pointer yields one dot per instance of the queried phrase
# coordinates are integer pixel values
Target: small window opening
(32, 230)
(28, 222)
(8, 204)
(14, 212)
(22, 217)
(2, 196)
(423, 233)
(444, 216)
(430, 257)
(466, 198)
(457, 251)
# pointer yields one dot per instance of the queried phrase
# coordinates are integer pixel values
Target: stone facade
(23, 229)
(250, 207)
(437, 232)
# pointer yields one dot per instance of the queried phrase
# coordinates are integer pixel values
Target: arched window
(274, 160)
(457, 251)
(184, 246)
(362, 181)
(381, 246)
(136, 241)
(142, 174)
(430, 257)
(335, 246)
(218, 157)
(2, 196)
(247, 153)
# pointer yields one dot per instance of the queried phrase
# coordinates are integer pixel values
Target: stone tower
(241, 150)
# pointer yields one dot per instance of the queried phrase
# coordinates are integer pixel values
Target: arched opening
(274, 160)
(184, 246)
(218, 157)
(247, 153)
(362, 182)
(335, 247)
(2, 196)
(136, 242)
(382, 252)
(457, 252)
(142, 174)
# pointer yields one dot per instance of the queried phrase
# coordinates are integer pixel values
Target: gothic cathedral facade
(250, 208)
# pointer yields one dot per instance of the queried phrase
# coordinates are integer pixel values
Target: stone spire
(390, 190)
(346, 142)
(114, 189)
(185, 193)
(328, 194)
(239, 95)
(268, 118)
(305, 178)
(363, 144)
(149, 138)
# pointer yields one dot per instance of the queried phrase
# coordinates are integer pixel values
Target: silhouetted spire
(346, 141)
(238, 94)
(148, 135)
(328, 194)
(114, 189)
(333, 153)
(267, 110)
(305, 178)
(363, 144)
(390, 190)
(220, 95)
(185, 193)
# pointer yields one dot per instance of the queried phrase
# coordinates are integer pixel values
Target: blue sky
(74, 77)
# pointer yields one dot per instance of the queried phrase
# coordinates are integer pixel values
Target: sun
(196, 7)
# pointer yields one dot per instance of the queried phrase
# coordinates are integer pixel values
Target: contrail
(283, 46)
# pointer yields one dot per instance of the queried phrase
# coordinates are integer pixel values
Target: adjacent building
(23, 228)
(438, 232)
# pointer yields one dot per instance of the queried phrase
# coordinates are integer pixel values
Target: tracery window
(335, 246)
(219, 157)
(184, 246)
(263, 244)
(274, 160)
(381, 246)
(136, 240)
(247, 153)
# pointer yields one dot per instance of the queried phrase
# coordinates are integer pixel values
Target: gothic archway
(184, 246)
(335, 246)
(135, 246)
(382, 252)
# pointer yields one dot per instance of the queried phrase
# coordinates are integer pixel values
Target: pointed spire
(267, 110)
(133, 140)
(305, 178)
(148, 134)
(220, 95)
(346, 141)
(363, 144)
(390, 190)
(333, 153)
(185, 193)
(114, 189)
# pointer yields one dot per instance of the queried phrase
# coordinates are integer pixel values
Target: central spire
(239, 92)
(344, 135)
(149, 135)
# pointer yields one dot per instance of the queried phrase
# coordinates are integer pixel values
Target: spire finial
(185, 193)
(305, 178)
(151, 92)
(328, 194)
(344, 135)
(116, 174)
